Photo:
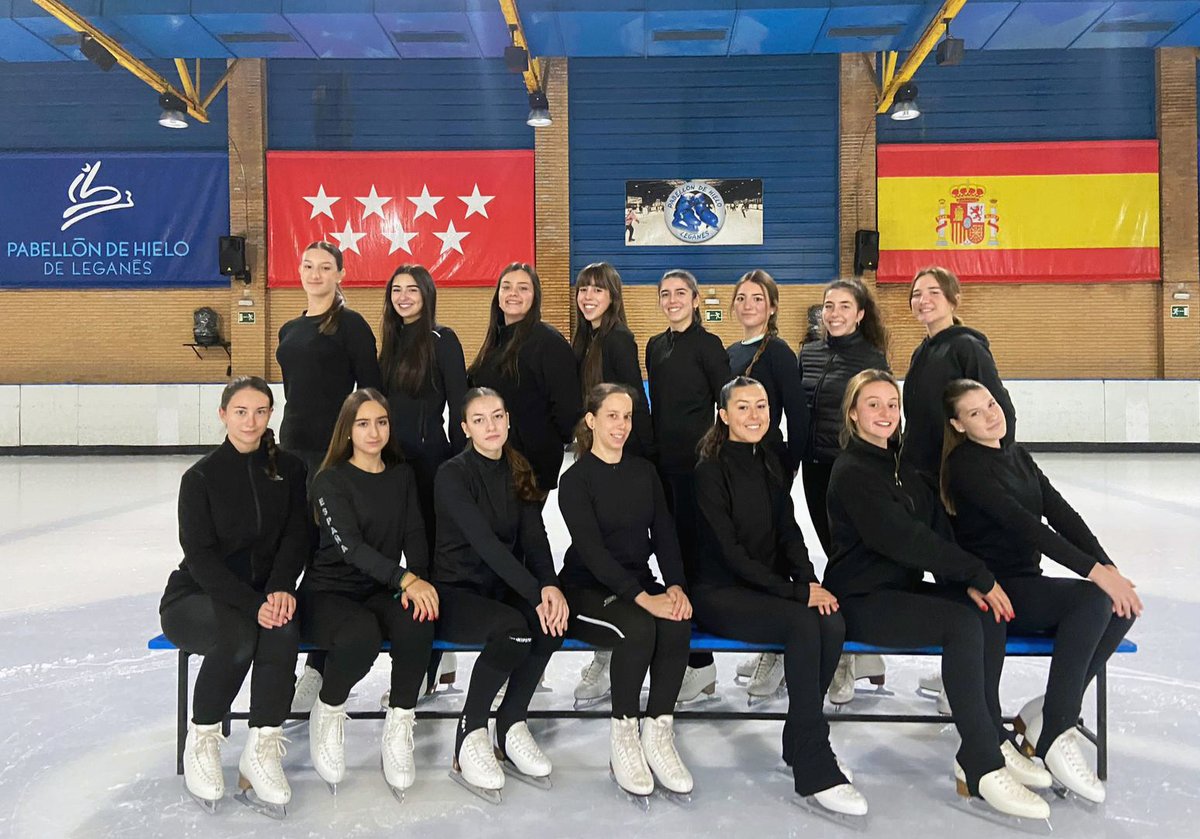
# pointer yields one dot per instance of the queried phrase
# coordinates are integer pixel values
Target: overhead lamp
(539, 110)
(95, 52)
(904, 106)
(174, 111)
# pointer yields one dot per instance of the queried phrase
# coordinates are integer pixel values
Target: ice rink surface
(88, 738)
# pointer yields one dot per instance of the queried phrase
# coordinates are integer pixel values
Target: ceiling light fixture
(905, 105)
(539, 110)
(174, 111)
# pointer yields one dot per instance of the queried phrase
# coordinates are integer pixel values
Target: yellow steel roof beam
(533, 75)
(920, 51)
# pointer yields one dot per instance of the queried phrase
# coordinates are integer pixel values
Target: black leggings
(815, 477)
(230, 641)
(813, 643)
(640, 644)
(972, 658)
(515, 648)
(1086, 632)
(680, 491)
(351, 631)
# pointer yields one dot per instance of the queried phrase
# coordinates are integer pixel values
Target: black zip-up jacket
(417, 418)
(957, 352)
(619, 364)
(243, 534)
(617, 516)
(686, 371)
(826, 367)
(488, 538)
(776, 370)
(888, 528)
(748, 531)
(1000, 497)
(543, 400)
(368, 521)
(319, 372)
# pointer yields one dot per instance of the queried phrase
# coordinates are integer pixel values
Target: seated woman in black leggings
(232, 600)
(496, 584)
(616, 512)
(755, 583)
(359, 590)
(888, 529)
(998, 497)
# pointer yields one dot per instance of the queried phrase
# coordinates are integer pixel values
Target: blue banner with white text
(112, 219)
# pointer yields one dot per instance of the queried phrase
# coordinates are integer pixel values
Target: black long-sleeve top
(1001, 496)
(686, 371)
(417, 417)
(619, 364)
(617, 516)
(777, 371)
(543, 400)
(888, 527)
(372, 532)
(957, 352)
(243, 534)
(826, 367)
(319, 372)
(748, 531)
(486, 535)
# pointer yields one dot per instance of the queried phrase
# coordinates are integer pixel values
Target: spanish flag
(1020, 212)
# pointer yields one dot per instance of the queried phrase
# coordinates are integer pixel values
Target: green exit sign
(245, 317)
(1179, 311)
(713, 316)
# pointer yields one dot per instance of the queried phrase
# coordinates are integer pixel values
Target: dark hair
(853, 388)
(406, 368)
(588, 342)
(340, 446)
(689, 278)
(524, 482)
(240, 383)
(594, 399)
(333, 317)
(508, 356)
(718, 433)
(762, 278)
(952, 438)
(946, 280)
(872, 327)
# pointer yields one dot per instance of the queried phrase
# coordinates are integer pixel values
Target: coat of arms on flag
(969, 219)
(463, 215)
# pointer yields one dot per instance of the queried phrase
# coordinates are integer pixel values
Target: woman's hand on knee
(658, 605)
(682, 607)
(821, 599)
(1120, 589)
(284, 603)
(996, 601)
(553, 611)
(268, 616)
(424, 600)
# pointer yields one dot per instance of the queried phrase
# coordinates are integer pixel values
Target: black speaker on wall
(232, 256)
(866, 251)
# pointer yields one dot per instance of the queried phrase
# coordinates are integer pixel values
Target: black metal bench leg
(181, 712)
(1102, 724)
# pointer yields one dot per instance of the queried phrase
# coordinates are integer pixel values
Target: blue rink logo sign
(694, 212)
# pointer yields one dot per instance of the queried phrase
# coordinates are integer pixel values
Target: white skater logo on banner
(697, 211)
(82, 189)
(694, 212)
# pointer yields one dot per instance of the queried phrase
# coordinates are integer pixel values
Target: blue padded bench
(701, 642)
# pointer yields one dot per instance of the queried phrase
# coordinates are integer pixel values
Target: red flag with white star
(464, 215)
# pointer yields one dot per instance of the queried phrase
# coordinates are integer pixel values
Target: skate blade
(753, 699)
(397, 793)
(681, 799)
(511, 770)
(491, 796)
(709, 694)
(642, 802)
(292, 725)
(1062, 793)
(209, 805)
(980, 809)
(250, 799)
(584, 704)
(435, 694)
(809, 804)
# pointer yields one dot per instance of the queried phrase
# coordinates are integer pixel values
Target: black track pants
(680, 491)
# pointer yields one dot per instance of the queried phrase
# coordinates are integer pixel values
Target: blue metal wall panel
(1008, 96)
(772, 118)
(396, 105)
(76, 106)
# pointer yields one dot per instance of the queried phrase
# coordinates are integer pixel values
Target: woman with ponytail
(495, 576)
(242, 526)
(756, 584)
(998, 498)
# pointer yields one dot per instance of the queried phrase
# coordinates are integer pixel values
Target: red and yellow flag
(1020, 212)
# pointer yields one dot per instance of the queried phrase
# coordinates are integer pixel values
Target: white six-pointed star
(399, 239)
(321, 203)
(452, 239)
(373, 203)
(348, 239)
(425, 202)
(476, 203)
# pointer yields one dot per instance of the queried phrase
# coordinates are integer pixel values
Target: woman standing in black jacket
(755, 583)
(232, 599)
(889, 529)
(531, 366)
(367, 582)
(495, 576)
(614, 508)
(998, 497)
(686, 367)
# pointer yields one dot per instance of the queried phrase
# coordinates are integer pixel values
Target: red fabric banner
(464, 215)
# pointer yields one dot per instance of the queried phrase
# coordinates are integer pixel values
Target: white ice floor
(87, 712)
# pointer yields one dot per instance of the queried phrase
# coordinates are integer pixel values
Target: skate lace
(520, 740)
(479, 750)
(1013, 787)
(664, 744)
(337, 721)
(629, 750)
(594, 670)
(1074, 757)
(401, 727)
(766, 663)
(270, 751)
(208, 748)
